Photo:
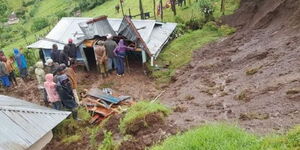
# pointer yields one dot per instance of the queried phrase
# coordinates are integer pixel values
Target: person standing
(4, 74)
(73, 79)
(65, 92)
(72, 51)
(64, 56)
(101, 58)
(21, 63)
(110, 46)
(120, 52)
(40, 76)
(52, 94)
(55, 53)
(11, 70)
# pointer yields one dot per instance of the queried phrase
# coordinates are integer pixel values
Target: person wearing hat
(65, 91)
(101, 58)
(110, 46)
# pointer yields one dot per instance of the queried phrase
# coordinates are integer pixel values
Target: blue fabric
(112, 63)
(20, 59)
(120, 63)
(5, 81)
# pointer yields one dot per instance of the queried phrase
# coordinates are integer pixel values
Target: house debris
(101, 105)
(149, 36)
(25, 125)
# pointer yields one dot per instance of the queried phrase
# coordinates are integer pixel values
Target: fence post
(121, 3)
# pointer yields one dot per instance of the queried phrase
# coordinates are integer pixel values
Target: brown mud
(250, 78)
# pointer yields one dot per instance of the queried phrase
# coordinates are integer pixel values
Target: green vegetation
(226, 137)
(179, 52)
(140, 110)
(108, 142)
(71, 139)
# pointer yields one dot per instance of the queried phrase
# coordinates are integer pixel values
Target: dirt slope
(251, 78)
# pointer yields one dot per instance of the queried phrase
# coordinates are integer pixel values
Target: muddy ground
(251, 78)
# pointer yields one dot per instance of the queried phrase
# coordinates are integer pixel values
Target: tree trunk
(223, 7)
(173, 5)
(141, 9)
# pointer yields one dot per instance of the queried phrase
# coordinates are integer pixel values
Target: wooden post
(141, 9)
(223, 7)
(173, 6)
(154, 9)
(121, 4)
(161, 11)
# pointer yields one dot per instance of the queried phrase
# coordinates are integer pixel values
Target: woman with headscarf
(40, 76)
(120, 52)
(101, 58)
(52, 94)
(21, 63)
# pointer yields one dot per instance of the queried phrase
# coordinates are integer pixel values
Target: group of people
(111, 56)
(57, 84)
(7, 69)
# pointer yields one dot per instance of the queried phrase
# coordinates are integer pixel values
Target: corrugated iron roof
(154, 34)
(98, 26)
(24, 123)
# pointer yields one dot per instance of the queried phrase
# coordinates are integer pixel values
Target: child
(53, 96)
(65, 92)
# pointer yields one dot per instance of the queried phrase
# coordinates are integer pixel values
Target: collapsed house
(149, 36)
(25, 125)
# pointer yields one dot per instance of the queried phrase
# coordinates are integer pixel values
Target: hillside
(250, 78)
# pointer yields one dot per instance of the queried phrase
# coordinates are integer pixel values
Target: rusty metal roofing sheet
(24, 123)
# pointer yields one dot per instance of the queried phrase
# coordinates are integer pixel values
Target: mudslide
(251, 78)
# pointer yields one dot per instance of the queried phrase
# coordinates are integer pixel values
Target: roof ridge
(32, 110)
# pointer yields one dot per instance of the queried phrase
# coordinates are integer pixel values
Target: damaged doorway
(90, 56)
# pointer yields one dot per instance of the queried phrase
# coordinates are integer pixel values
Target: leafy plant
(108, 142)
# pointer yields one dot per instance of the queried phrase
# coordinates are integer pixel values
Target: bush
(140, 110)
(39, 24)
(195, 24)
(61, 14)
(226, 30)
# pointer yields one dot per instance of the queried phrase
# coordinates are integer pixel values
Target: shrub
(140, 110)
(226, 30)
(39, 24)
(194, 24)
(61, 14)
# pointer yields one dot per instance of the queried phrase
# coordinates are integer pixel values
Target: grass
(71, 139)
(179, 52)
(211, 137)
(227, 137)
(140, 110)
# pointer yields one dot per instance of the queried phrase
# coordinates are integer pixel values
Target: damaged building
(148, 36)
